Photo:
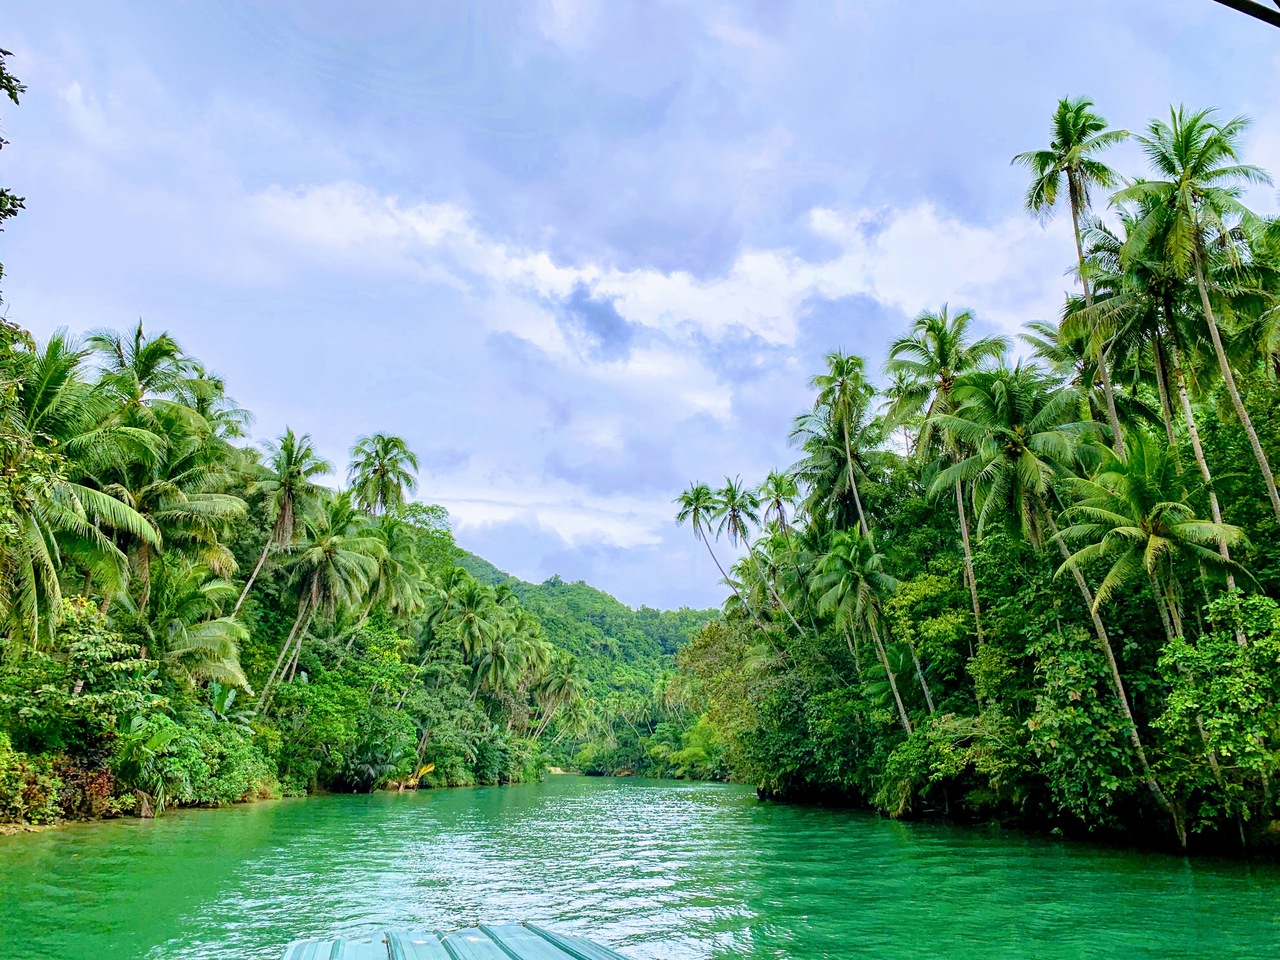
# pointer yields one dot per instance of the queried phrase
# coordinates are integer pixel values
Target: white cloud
(908, 259)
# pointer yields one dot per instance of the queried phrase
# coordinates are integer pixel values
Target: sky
(579, 253)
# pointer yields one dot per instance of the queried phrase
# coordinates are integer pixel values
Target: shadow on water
(655, 869)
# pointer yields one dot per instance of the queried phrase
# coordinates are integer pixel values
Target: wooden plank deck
(513, 941)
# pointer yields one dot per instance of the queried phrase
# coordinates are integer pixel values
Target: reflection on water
(656, 870)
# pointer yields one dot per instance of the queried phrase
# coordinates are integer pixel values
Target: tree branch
(1255, 10)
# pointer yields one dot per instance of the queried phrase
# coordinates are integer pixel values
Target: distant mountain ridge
(620, 648)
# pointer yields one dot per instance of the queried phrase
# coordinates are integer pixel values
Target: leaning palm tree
(562, 684)
(1196, 208)
(382, 472)
(286, 479)
(737, 507)
(335, 564)
(1023, 439)
(1071, 159)
(931, 357)
(851, 584)
(697, 507)
(1137, 517)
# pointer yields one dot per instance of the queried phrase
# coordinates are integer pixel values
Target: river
(653, 869)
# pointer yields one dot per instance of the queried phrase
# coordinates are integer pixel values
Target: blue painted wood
(512, 941)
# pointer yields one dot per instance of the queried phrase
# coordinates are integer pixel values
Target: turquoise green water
(656, 870)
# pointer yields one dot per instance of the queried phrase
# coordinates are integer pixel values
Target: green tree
(1071, 160)
(287, 481)
(1197, 207)
(1023, 440)
(381, 473)
(1136, 517)
(930, 358)
(843, 391)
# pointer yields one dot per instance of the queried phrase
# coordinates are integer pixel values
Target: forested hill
(619, 648)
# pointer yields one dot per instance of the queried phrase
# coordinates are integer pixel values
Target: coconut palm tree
(851, 584)
(738, 509)
(286, 479)
(186, 628)
(562, 684)
(381, 472)
(1197, 207)
(697, 507)
(777, 494)
(1023, 440)
(832, 470)
(931, 357)
(475, 616)
(335, 565)
(1079, 136)
(180, 495)
(1136, 516)
(148, 373)
(63, 431)
(844, 393)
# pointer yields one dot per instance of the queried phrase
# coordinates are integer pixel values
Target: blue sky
(577, 252)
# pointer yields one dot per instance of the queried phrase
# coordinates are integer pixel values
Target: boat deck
(514, 941)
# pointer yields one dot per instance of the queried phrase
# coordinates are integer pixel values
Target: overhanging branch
(1255, 9)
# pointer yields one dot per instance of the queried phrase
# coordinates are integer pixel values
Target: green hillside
(621, 649)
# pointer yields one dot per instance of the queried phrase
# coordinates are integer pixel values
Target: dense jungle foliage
(1035, 582)
(189, 618)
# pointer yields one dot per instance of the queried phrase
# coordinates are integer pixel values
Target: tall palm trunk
(768, 582)
(893, 681)
(546, 719)
(1229, 379)
(853, 481)
(305, 608)
(853, 649)
(144, 566)
(262, 558)
(1117, 683)
(724, 576)
(1108, 389)
(1162, 387)
(924, 684)
(969, 574)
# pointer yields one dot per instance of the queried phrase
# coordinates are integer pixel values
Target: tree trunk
(1189, 415)
(893, 682)
(1117, 683)
(1108, 390)
(1162, 386)
(924, 685)
(853, 482)
(304, 609)
(144, 562)
(969, 574)
(546, 719)
(266, 547)
(853, 649)
(725, 577)
(1229, 379)
(772, 589)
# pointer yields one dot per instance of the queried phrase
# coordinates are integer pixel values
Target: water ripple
(660, 871)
